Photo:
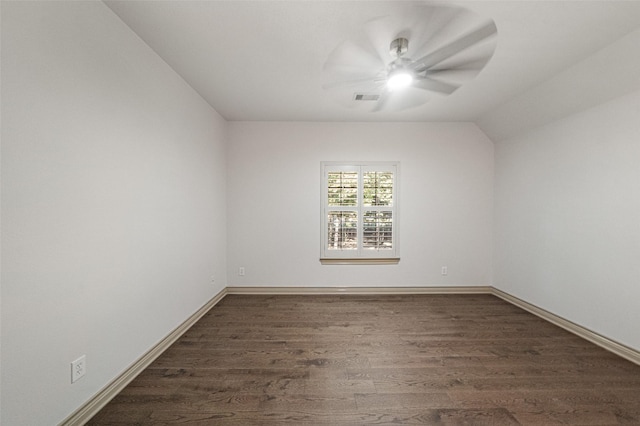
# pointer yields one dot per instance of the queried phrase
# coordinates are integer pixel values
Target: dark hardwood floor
(365, 360)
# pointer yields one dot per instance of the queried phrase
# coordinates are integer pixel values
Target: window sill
(361, 261)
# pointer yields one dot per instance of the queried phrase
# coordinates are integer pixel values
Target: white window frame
(359, 255)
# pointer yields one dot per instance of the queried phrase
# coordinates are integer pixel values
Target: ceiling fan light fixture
(451, 45)
(399, 79)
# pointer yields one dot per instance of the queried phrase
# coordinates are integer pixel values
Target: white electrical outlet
(78, 368)
(444, 270)
(241, 271)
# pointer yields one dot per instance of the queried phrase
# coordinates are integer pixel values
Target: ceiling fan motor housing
(399, 47)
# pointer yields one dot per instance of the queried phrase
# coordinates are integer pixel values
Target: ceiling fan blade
(454, 47)
(373, 81)
(432, 85)
(398, 100)
(378, 33)
(475, 58)
(458, 70)
(351, 58)
(382, 102)
(456, 77)
(435, 26)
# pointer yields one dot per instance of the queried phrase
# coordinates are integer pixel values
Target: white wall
(274, 202)
(113, 203)
(568, 218)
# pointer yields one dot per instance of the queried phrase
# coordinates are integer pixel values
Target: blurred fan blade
(382, 102)
(474, 59)
(372, 82)
(432, 85)
(452, 76)
(379, 33)
(436, 26)
(398, 100)
(455, 47)
(352, 58)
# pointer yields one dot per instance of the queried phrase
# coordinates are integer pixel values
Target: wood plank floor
(365, 360)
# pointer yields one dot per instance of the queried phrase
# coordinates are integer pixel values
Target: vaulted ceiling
(263, 60)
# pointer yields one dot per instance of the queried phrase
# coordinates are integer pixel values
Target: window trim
(359, 256)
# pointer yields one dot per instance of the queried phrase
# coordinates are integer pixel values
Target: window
(359, 211)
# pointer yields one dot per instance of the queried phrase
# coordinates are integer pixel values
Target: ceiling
(263, 60)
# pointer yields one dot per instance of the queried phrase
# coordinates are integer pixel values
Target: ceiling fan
(403, 58)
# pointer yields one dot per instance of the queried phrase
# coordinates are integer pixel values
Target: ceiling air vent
(366, 97)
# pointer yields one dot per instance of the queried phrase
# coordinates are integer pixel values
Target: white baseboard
(580, 331)
(95, 404)
(83, 414)
(360, 290)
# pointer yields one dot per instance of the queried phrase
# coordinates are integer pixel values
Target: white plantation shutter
(359, 219)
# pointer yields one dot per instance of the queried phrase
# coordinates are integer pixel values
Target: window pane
(342, 231)
(377, 230)
(378, 188)
(343, 188)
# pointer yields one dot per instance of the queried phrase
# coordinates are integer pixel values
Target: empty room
(320, 212)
